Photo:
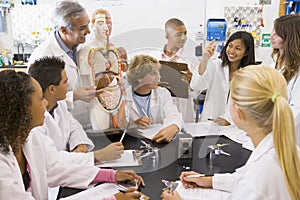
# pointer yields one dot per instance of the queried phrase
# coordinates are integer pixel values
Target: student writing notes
(147, 102)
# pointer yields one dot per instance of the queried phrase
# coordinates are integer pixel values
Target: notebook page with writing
(201, 193)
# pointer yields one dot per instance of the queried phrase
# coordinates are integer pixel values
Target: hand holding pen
(193, 179)
(144, 121)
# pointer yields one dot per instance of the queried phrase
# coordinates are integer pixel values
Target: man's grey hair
(64, 11)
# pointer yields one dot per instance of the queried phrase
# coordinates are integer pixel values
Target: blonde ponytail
(284, 136)
(262, 93)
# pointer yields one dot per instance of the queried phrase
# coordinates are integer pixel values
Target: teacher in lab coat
(71, 23)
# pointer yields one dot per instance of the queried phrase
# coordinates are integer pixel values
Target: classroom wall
(137, 22)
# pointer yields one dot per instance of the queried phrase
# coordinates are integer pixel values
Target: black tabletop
(169, 166)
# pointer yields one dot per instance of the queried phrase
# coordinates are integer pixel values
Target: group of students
(41, 149)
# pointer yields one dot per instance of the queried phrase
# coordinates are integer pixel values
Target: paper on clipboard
(99, 192)
(128, 159)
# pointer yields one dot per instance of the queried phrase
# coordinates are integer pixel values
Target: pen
(124, 132)
(145, 113)
(183, 72)
(123, 135)
(210, 119)
(195, 176)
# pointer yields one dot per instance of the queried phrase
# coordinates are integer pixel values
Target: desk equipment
(185, 142)
(170, 185)
(171, 78)
(215, 150)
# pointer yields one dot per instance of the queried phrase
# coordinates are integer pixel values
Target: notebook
(171, 78)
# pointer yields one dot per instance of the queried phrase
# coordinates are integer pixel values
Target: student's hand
(167, 195)
(130, 193)
(221, 121)
(129, 175)
(166, 134)
(207, 54)
(205, 181)
(187, 76)
(81, 148)
(110, 152)
(143, 122)
(209, 51)
(85, 94)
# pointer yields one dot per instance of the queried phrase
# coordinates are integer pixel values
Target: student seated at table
(59, 124)
(260, 107)
(147, 102)
(28, 165)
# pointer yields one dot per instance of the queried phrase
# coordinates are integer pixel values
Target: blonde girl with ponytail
(260, 107)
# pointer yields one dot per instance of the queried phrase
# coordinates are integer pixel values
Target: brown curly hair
(15, 115)
(139, 67)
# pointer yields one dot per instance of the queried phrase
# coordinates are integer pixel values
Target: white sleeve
(224, 181)
(78, 135)
(173, 116)
(201, 82)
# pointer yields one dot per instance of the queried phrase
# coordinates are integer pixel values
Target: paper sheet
(201, 193)
(98, 192)
(128, 158)
(151, 131)
(202, 128)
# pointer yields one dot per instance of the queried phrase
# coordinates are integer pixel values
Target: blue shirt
(142, 103)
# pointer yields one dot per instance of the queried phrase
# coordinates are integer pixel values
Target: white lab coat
(294, 101)
(216, 80)
(65, 131)
(293, 97)
(260, 178)
(162, 109)
(50, 47)
(46, 169)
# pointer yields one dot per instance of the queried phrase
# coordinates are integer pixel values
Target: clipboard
(171, 78)
(128, 159)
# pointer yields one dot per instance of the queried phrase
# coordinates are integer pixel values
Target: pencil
(195, 176)
(144, 112)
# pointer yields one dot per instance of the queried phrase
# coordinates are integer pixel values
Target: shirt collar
(63, 45)
(176, 57)
(52, 110)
